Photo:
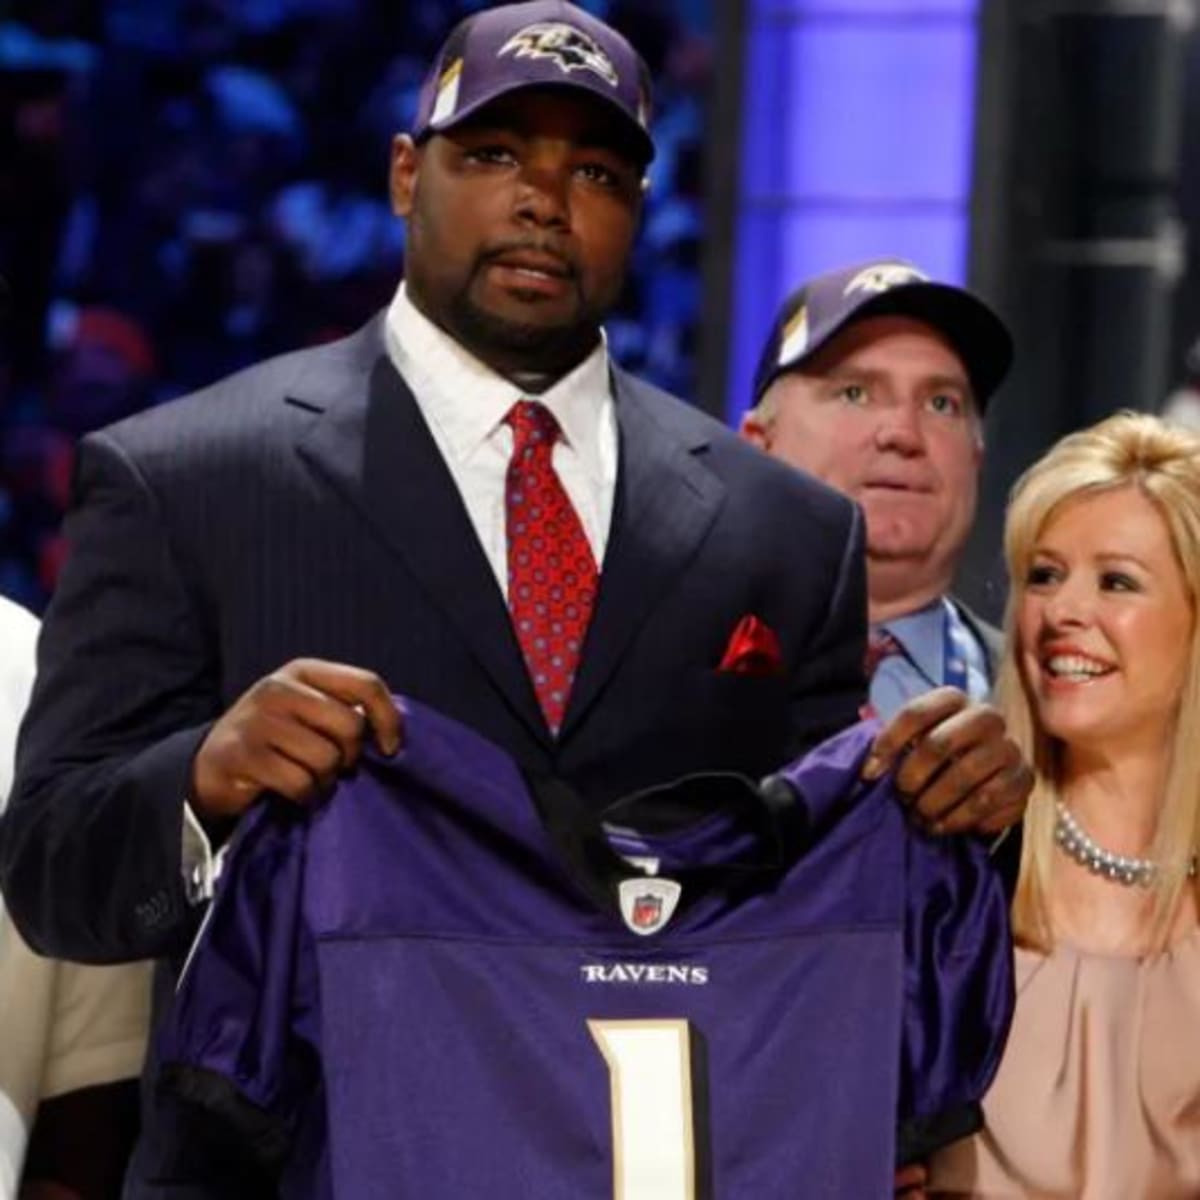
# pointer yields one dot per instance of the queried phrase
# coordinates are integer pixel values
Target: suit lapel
(665, 503)
(373, 446)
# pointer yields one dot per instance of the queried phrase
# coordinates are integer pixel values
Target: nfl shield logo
(647, 911)
(647, 904)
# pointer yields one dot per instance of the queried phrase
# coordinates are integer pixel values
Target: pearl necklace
(1076, 843)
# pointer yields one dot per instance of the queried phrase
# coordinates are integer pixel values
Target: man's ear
(755, 430)
(402, 174)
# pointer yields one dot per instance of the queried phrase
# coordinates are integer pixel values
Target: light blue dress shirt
(922, 666)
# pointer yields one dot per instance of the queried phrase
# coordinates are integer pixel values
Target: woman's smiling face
(1105, 623)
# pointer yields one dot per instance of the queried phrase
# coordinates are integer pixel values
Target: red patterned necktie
(551, 570)
(880, 645)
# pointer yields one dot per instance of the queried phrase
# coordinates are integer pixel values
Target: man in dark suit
(875, 379)
(465, 502)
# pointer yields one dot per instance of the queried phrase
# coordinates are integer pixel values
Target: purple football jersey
(419, 990)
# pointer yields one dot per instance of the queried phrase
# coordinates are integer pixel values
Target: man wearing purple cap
(466, 502)
(875, 380)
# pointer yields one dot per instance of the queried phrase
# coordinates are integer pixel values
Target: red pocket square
(753, 650)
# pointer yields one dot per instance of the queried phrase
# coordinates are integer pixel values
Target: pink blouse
(1098, 1095)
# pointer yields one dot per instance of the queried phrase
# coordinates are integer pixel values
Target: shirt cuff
(201, 866)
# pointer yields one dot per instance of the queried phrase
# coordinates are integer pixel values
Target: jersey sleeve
(958, 991)
(238, 1047)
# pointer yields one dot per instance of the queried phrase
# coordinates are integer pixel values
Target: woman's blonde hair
(1163, 463)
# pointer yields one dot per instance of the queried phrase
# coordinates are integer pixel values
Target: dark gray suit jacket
(301, 508)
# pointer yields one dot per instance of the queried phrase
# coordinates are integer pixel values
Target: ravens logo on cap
(569, 48)
(884, 276)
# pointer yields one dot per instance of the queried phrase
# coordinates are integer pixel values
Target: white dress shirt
(464, 403)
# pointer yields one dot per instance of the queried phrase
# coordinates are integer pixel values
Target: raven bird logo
(884, 276)
(569, 48)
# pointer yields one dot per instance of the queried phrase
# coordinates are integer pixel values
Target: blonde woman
(1099, 1091)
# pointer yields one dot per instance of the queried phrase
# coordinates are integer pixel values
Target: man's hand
(911, 1181)
(292, 733)
(957, 764)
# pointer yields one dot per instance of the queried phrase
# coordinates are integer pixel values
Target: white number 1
(650, 1077)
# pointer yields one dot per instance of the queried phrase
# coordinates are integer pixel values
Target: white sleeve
(27, 1001)
(12, 1148)
(18, 642)
(65, 1026)
(26, 981)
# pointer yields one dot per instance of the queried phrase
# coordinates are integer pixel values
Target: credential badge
(648, 904)
(570, 49)
(883, 276)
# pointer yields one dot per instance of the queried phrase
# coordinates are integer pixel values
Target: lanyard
(956, 648)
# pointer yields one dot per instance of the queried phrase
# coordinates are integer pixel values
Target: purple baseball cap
(546, 42)
(821, 308)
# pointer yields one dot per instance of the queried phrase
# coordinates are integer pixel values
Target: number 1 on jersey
(650, 1077)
